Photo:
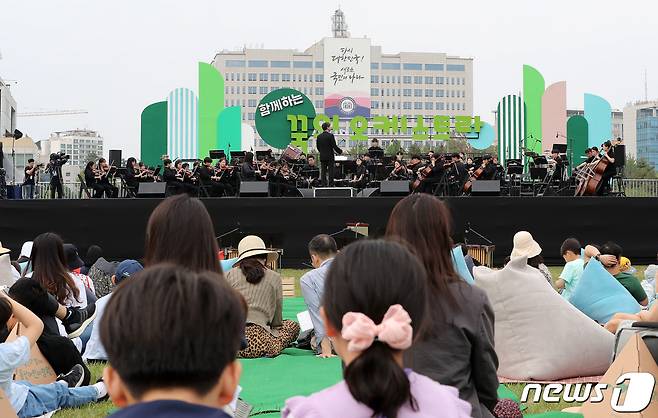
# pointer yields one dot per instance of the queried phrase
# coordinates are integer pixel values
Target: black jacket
(460, 351)
(326, 145)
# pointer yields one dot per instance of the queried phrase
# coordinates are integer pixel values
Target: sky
(114, 57)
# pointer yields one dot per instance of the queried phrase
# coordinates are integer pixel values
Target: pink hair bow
(395, 330)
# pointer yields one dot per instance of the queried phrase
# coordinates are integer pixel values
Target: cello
(591, 182)
(476, 175)
(422, 175)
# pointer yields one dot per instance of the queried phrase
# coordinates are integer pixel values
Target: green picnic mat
(293, 306)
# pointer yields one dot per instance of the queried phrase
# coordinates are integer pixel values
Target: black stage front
(118, 225)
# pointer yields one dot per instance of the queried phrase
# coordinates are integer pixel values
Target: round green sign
(284, 116)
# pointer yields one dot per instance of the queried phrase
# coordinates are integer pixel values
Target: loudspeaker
(115, 157)
(149, 189)
(394, 188)
(255, 188)
(486, 188)
(367, 192)
(307, 192)
(334, 192)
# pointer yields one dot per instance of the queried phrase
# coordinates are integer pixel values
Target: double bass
(591, 181)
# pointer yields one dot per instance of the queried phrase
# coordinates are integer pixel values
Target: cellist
(607, 152)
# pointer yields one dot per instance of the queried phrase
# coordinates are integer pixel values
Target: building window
(374, 92)
(302, 64)
(412, 67)
(252, 102)
(429, 93)
(429, 80)
(374, 104)
(319, 78)
(262, 76)
(258, 64)
(390, 65)
(319, 91)
(418, 80)
(429, 106)
(406, 92)
(251, 116)
(374, 79)
(374, 66)
(456, 67)
(439, 93)
(237, 77)
(252, 90)
(452, 106)
(234, 63)
(262, 90)
(406, 79)
(406, 105)
(433, 67)
(252, 76)
(274, 77)
(280, 64)
(319, 64)
(418, 105)
(319, 104)
(439, 106)
(285, 77)
(463, 94)
(418, 93)
(439, 80)
(452, 93)
(463, 81)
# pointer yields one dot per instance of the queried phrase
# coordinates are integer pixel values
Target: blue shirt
(312, 286)
(571, 275)
(12, 356)
(169, 409)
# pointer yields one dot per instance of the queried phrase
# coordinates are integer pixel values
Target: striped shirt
(264, 299)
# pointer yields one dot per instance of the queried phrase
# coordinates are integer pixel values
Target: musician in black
(326, 145)
(360, 177)
(28, 182)
(311, 172)
(169, 176)
(399, 171)
(375, 151)
(132, 176)
(91, 179)
(607, 152)
(489, 169)
(105, 170)
(435, 176)
(247, 169)
(414, 164)
(227, 177)
(457, 175)
(283, 181)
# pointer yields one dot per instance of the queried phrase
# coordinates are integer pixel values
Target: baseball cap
(127, 268)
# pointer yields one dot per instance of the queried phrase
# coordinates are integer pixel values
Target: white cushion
(538, 334)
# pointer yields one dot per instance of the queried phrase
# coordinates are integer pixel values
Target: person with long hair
(373, 305)
(50, 270)
(266, 332)
(457, 349)
(190, 243)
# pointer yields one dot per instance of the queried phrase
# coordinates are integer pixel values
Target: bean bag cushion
(538, 334)
(599, 295)
(459, 263)
(227, 264)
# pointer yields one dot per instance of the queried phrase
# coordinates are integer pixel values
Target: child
(573, 268)
(176, 357)
(35, 400)
(373, 295)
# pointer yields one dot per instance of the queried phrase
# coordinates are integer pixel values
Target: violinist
(91, 179)
(608, 153)
(399, 171)
(209, 179)
(489, 169)
(132, 177)
(171, 177)
(284, 181)
(311, 172)
(360, 178)
(247, 170)
(104, 179)
(226, 177)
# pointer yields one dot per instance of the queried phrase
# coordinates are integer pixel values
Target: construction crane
(53, 113)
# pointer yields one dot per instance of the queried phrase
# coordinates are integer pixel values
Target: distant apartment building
(617, 121)
(81, 144)
(638, 123)
(401, 84)
(7, 109)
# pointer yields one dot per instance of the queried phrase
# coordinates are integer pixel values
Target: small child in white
(30, 400)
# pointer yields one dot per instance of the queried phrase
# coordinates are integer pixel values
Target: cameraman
(57, 160)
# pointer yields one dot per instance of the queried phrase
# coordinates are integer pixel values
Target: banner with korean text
(346, 77)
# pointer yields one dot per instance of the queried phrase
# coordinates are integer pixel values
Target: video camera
(59, 158)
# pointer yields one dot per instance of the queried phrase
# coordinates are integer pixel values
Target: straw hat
(252, 245)
(4, 250)
(524, 246)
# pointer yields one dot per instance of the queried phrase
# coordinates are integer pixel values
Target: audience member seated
(266, 332)
(26, 399)
(94, 252)
(649, 283)
(184, 369)
(24, 258)
(370, 302)
(190, 244)
(630, 282)
(74, 264)
(8, 273)
(457, 348)
(60, 351)
(573, 269)
(322, 249)
(526, 246)
(644, 316)
(95, 350)
(101, 273)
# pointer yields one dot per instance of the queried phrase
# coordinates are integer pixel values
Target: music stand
(216, 154)
(262, 155)
(376, 154)
(157, 171)
(559, 149)
(514, 166)
(237, 157)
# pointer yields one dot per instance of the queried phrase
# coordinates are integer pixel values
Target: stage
(118, 225)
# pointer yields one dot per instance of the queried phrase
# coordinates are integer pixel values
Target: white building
(401, 84)
(7, 109)
(81, 144)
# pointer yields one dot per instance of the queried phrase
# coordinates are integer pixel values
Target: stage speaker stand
(115, 157)
(149, 189)
(333, 192)
(367, 192)
(254, 189)
(486, 188)
(394, 188)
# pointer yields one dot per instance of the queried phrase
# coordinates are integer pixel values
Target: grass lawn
(104, 408)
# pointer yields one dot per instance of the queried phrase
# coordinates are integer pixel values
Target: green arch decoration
(533, 90)
(577, 133)
(230, 136)
(154, 133)
(211, 103)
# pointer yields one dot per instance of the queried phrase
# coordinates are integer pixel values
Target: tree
(91, 156)
(393, 148)
(415, 149)
(639, 169)
(359, 149)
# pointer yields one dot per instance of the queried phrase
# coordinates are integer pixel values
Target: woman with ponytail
(373, 302)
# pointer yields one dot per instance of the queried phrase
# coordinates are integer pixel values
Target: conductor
(326, 145)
